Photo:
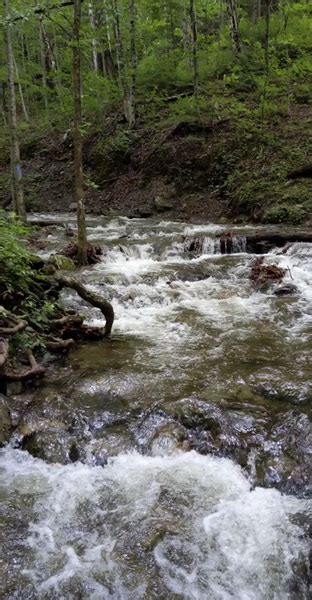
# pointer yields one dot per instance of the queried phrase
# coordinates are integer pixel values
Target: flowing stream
(174, 460)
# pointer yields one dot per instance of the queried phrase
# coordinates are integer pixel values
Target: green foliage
(15, 260)
(282, 213)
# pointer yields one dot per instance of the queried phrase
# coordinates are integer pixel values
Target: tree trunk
(133, 65)
(118, 43)
(235, 33)
(79, 196)
(94, 44)
(43, 65)
(194, 45)
(16, 170)
(267, 35)
(20, 89)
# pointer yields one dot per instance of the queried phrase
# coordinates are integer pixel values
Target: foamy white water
(189, 524)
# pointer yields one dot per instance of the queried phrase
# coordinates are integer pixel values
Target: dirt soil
(171, 174)
(187, 171)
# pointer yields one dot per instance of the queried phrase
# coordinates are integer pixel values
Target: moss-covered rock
(62, 263)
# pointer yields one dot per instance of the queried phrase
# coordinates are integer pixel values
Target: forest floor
(193, 169)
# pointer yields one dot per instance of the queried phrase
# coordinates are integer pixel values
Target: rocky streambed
(174, 460)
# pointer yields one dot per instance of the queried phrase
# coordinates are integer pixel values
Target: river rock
(285, 461)
(6, 426)
(62, 263)
(288, 289)
(192, 413)
(53, 446)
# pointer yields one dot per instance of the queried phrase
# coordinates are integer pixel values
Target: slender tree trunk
(2, 104)
(120, 57)
(235, 33)
(118, 44)
(133, 65)
(20, 89)
(267, 35)
(94, 44)
(79, 196)
(16, 170)
(194, 45)
(43, 65)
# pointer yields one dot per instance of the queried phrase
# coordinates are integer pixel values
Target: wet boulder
(285, 460)
(115, 441)
(6, 426)
(157, 432)
(53, 446)
(193, 413)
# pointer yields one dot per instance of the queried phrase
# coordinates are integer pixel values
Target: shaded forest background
(192, 109)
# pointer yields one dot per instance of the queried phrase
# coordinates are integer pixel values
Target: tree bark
(235, 33)
(133, 65)
(16, 170)
(20, 89)
(94, 44)
(79, 195)
(194, 45)
(267, 35)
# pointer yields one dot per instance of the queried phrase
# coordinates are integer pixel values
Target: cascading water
(157, 519)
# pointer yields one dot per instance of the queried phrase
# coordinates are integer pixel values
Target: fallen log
(302, 172)
(94, 299)
(262, 242)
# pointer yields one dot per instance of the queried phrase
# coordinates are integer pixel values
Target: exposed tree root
(13, 324)
(67, 321)
(93, 253)
(58, 345)
(91, 297)
(4, 352)
(35, 370)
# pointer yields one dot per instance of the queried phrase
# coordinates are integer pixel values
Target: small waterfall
(224, 244)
